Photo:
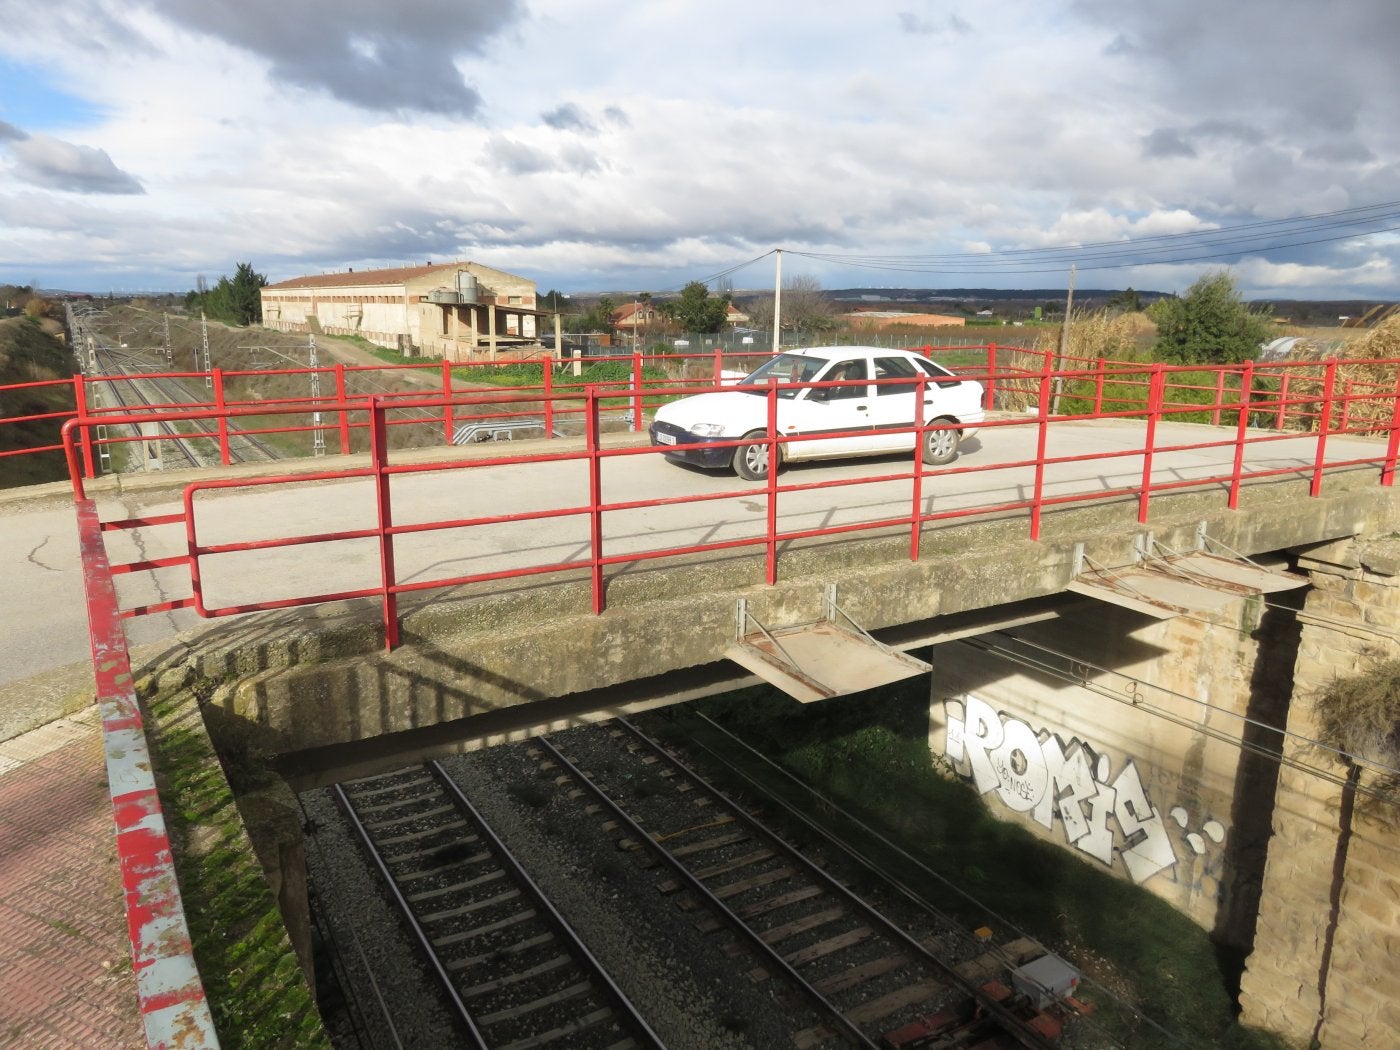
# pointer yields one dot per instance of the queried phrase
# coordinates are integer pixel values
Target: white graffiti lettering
(1036, 774)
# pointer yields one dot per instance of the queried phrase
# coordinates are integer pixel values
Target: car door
(826, 412)
(892, 407)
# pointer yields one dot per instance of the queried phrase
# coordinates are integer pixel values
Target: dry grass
(1367, 368)
(1360, 716)
(1092, 335)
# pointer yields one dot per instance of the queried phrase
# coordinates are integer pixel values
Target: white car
(862, 404)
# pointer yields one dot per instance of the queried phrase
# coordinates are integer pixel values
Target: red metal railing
(1156, 395)
(637, 393)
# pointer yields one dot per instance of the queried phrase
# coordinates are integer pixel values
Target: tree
(805, 306)
(1210, 324)
(1128, 301)
(234, 300)
(696, 311)
(597, 318)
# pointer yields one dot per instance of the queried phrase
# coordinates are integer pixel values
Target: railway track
(135, 386)
(515, 973)
(868, 977)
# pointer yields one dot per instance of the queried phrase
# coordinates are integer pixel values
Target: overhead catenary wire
(1137, 702)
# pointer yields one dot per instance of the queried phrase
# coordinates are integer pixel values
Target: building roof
(356, 278)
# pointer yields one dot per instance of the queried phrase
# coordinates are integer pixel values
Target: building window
(513, 300)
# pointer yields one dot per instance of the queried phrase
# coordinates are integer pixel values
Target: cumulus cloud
(389, 57)
(51, 163)
(611, 144)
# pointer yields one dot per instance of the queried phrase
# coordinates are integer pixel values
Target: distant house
(733, 315)
(636, 317)
(457, 311)
(886, 318)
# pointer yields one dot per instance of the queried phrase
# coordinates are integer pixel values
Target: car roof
(828, 353)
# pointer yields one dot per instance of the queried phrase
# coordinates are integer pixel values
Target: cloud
(569, 117)
(917, 25)
(51, 163)
(611, 144)
(1164, 143)
(376, 56)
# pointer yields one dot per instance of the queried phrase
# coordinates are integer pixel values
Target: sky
(612, 145)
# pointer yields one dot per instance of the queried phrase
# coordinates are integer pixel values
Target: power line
(1263, 235)
(1138, 702)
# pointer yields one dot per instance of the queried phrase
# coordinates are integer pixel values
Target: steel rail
(1013, 1026)
(825, 1005)
(623, 1012)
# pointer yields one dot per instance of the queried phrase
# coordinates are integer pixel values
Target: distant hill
(29, 354)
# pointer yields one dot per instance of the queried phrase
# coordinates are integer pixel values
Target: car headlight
(707, 430)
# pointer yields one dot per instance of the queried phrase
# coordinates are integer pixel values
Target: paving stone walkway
(65, 960)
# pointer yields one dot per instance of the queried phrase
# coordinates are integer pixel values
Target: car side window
(941, 375)
(849, 371)
(892, 369)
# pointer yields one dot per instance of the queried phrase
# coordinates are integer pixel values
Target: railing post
(1241, 427)
(719, 366)
(1155, 393)
(1392, 449)
(548, 374)
(80, 402)
(636, 391)
(1329, 388)
(344, 415)
(1098, 386)
(218, 374)
(920, 392)
(772, 439)
(1042, 429)
(1345, 425)
(379, 456)
(1282, 400)
(595, 497)
(989, 399)
(1219, 396)
(449, 424)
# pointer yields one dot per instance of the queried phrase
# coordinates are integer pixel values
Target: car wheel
(941, 442)
(751, 461)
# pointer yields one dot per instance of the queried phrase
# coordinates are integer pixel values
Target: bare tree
(805, 306)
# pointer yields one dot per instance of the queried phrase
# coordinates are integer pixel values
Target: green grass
(27, 355)
(257, 995)
(870, 756)
(1181, 394)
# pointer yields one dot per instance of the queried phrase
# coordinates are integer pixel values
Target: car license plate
(666, 439)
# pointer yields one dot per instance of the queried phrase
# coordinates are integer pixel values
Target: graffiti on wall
(1038, 775)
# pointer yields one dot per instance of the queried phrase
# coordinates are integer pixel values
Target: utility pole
(169, 350)
(206, 367)
(1064, 345)
(777, 298)
(318, 436)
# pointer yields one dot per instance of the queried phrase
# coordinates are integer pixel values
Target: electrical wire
(1136, 701)
(1154, 249)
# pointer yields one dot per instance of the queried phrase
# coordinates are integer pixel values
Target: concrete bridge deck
(318, 680)
(47, 648)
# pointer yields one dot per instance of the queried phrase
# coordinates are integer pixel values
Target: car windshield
(785, 368)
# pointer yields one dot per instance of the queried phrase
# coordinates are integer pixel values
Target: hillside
(33, 352)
